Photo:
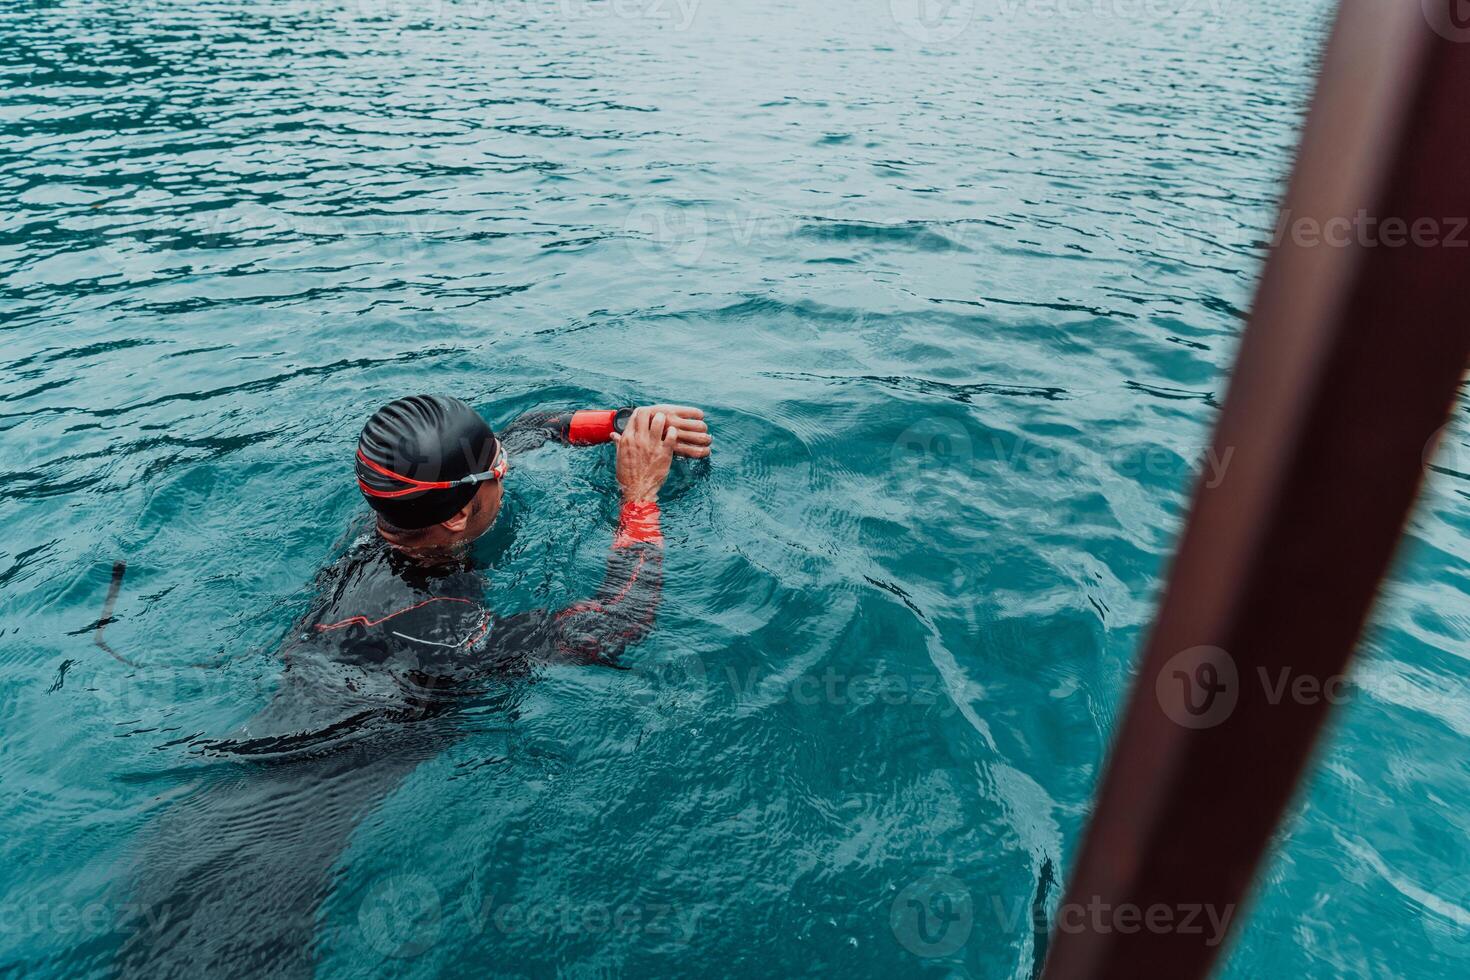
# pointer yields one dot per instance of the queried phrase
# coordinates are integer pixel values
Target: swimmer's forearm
(598, 426)
(580, 427)
(621, 611)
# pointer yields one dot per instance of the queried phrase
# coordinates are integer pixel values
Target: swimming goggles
(496, 471)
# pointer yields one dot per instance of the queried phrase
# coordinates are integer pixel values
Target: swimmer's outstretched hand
(645, 451)
(694, 438)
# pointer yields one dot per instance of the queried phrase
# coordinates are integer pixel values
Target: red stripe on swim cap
(415, 486)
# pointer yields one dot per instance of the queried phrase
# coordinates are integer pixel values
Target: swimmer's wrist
(638, 522)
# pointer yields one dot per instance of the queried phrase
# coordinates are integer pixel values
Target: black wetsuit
(230, 879)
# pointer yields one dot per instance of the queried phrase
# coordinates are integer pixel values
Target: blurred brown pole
(1356, 343)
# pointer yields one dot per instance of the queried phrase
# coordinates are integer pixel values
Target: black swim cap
(422, 439)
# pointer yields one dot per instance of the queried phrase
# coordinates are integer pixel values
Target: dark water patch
(1174, 394)
(915, 235)
(964, 393)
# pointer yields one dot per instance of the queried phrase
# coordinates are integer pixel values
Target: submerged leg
(231, 879)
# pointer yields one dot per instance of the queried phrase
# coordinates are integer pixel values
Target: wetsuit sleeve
(619, 614)
(584, 427)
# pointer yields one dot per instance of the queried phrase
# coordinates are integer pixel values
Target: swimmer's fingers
(682, 412)
(694, 438)
(687, 437)
(694, 445)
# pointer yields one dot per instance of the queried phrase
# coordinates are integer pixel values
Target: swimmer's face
(482, 510)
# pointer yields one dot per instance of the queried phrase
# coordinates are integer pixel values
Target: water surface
(960, 297)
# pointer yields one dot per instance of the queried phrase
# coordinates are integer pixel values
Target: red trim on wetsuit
(591, 426)
(593, 605)
(364, 621)
(638, 523)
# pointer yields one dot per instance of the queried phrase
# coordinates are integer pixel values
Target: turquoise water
(959, 295)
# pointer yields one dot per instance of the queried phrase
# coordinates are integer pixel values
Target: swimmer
(434, 474)
(231, 878)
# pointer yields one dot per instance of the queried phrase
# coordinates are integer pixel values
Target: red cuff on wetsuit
(590, 427)
(638, 523)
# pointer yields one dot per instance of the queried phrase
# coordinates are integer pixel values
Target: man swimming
(232, 876)
(434, 473)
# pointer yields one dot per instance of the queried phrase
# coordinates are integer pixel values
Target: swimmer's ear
(460, 521)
